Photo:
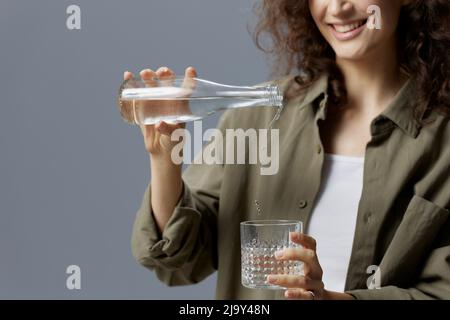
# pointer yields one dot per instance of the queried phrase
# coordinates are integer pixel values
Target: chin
(350, 54)
(352, 51)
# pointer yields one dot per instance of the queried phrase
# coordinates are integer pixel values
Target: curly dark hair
(423, 34)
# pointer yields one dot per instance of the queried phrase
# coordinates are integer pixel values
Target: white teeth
(348, 27)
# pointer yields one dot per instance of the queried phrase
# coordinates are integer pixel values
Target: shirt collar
(400, 111)
(291, 89)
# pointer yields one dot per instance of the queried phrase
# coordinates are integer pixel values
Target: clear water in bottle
(179, 99)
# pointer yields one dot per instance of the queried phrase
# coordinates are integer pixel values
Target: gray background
(72, 174)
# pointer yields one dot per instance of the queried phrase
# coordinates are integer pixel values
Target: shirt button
(368, 217)
(319, 149)
(303, 204)
(323, 103)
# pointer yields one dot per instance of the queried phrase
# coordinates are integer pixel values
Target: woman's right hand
(157, 137)
(167, 184)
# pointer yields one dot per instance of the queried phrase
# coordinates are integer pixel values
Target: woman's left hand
(309, 286)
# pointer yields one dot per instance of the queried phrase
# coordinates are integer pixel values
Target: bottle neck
(269, 95)
(275, 100)
(274, 96)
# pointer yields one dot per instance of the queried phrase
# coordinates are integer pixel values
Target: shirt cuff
(173, 248)
(387, 293)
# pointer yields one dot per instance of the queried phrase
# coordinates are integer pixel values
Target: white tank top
(333, 218)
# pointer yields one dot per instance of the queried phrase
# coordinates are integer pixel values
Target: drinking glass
(259, 241)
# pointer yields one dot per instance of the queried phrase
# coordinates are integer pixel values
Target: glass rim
(263, 223)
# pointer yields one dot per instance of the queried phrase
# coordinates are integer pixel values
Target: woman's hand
(309, 286)
(157, 137)
(167, 184)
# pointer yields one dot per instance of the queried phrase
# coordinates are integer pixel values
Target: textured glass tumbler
(259, 241)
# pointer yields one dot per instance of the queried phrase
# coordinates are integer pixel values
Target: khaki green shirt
(402, 225)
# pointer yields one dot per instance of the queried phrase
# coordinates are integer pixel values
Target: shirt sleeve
(186, 251)
(424, 243)
(433, 282)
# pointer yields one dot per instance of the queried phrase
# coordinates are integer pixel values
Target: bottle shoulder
(294, 96)
(292, 89)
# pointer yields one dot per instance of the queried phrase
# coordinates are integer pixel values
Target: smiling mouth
(345, 28)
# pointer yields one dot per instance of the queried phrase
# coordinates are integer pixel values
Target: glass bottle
(179, 99)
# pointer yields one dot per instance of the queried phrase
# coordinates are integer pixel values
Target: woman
(364, 161)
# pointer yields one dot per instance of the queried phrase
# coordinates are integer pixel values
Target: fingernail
(159, 125)
(271, 279)
(190, 69)
(287, 294)
(278, 254)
